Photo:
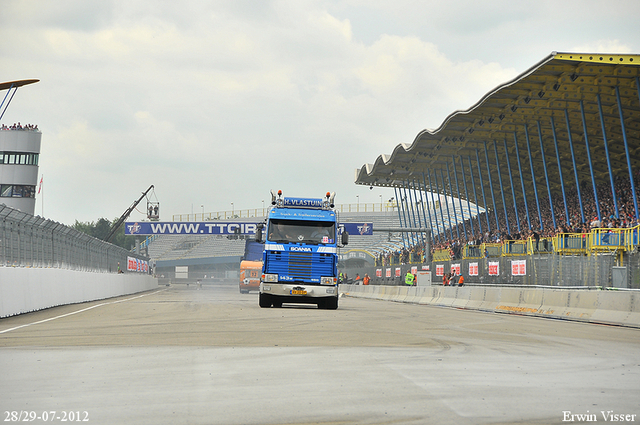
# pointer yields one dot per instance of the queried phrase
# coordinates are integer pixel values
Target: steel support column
(564, 197)
(435, 213)
(484, 198)
(475, 195)
(466, 194)
(546, 174)
(455, 174)
(533, 176)
(575, 169)
(444, 228)
(513, 192)
(398, 202)
(626, 146)
(455, 215)
(447, 204)
(586, 142)
(493, 197)
(524, 193)
(606, 152)
(504, 203)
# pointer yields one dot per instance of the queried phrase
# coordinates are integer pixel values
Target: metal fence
(33, 241)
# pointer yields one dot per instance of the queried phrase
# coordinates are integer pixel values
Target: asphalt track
(211, 356)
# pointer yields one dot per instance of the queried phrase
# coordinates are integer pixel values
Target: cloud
(219, 102)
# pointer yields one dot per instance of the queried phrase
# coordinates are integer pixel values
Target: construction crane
(153, 213)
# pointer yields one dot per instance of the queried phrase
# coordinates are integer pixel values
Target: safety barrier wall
(595, 305)
(23, 290)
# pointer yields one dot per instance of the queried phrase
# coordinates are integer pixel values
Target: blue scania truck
(300, 257)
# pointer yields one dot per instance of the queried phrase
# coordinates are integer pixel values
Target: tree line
(100, 229)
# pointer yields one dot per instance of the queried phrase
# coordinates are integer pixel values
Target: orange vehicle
(250, 276)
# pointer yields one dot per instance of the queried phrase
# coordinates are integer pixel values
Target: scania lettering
(300, 257)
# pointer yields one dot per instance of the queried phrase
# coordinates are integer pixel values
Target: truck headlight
(327, 281)
(270, 278)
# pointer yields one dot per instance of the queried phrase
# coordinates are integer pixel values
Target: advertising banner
(519, 267)
(365, 229)
(388, 273)
(189, 228)
(494, 268)
(473, 269)
(378, 272)
(439, 269)
(398, 272)
(137, 265)
(455, 268)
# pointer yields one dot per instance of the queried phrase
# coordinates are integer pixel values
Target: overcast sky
(217, 102)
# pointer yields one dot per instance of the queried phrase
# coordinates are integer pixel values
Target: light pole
(358, 203)
(232, 210)
(202, 212)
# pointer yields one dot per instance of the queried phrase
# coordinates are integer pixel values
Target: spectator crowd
(484, 229)
(18, 126)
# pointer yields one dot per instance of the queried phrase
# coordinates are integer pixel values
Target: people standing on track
(409, 278)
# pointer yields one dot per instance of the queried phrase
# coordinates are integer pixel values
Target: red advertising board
(519, 267)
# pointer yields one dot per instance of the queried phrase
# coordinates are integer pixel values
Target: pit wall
(616, 307)
(24, 290)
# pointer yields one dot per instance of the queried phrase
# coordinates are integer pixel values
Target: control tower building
(19, 154)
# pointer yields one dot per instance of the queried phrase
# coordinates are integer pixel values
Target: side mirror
(259, 228)
(345, 238)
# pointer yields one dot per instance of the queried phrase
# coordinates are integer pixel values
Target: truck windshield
(308, 232)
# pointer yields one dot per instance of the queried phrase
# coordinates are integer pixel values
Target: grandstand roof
(17, 83)
(535, 102)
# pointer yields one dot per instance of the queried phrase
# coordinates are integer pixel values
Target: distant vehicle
(250, 272)
(300, 258)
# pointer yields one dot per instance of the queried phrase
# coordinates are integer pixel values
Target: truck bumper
(298, 292)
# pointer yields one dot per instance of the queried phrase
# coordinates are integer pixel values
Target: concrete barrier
(476, 297)
(23, 290)
(555, 302)
(491, 299)
(427, 296)
(582, 305)
(613, 307)
(462, 297)
(591, 305)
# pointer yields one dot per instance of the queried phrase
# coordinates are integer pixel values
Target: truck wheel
(329, 304)
(332, 303)
(265, 301)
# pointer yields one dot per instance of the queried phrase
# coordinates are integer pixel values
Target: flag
(40, 184)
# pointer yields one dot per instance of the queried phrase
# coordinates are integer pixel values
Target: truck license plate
(298, 292)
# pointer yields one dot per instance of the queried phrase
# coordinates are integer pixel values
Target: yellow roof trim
(599, 58)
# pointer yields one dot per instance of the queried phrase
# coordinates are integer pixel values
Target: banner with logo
(519, 267)
(473, 269)
(189, 228)
(365, 229)
(494, 268)
(455, 268)
(137, 265)
(439, 269)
